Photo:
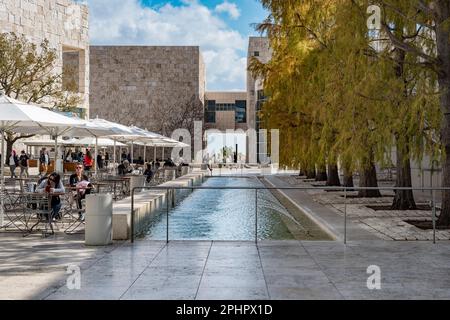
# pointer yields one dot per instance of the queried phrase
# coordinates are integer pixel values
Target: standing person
(88, 161)
(106, 159)
(80, 156)
(123, 156)
(13, 163)
(68, 156)
(148, 172)
(23, 163)
(100, 160)
(43, 162)
(47, 159)
(210, 167)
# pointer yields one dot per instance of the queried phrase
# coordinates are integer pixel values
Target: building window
(241, 111)
(256, 54)
(210, 111)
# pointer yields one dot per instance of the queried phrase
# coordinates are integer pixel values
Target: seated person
(148, 172)
(81, 182)
(124, 168)
(53, 184)
(169, 163)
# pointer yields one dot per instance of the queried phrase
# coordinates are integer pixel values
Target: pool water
(223, 214)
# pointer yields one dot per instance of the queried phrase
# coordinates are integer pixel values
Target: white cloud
(230, 8)
(127, 22)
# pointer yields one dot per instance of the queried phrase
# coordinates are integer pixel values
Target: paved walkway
(324, 216)
(35, 269)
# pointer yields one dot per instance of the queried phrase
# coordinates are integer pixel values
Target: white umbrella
(44, 142)
(18, 116)
(90, 141)
(117, 132)
(155, 139)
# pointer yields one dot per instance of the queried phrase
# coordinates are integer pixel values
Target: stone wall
(62, 22)
(226, 119)
(261, 46)
(145, 86)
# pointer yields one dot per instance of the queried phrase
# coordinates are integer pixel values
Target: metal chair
(37, 207)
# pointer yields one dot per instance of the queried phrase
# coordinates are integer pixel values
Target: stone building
(158, 88)
(64, 24)
(226, 110)
(259, 48)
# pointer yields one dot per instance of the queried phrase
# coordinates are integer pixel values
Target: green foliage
(27, 73)
(339, 92)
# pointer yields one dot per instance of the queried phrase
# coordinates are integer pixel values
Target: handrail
(256, 188)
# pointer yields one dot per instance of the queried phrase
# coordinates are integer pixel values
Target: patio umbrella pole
(114, 163)
(96, 152)
(145, 150)
(132, 155)
(2, 194)
(154, 153)
(162, 154)
(56, 152)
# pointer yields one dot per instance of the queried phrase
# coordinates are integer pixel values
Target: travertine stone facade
(62, 22)
(225, 119)
(257, 47)
(139, 84)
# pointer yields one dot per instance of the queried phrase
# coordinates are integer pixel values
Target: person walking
(88, 161)
(43, 162)
(13, 163)
(23, 163)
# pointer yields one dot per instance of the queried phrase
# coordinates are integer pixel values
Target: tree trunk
(403, 199)
(321, 173)
(368, 178)
(333, 175)
(310, 173)
(348, 178)
(443, 52)
(9, 145)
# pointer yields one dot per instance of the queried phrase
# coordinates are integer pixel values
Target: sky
(220, 27)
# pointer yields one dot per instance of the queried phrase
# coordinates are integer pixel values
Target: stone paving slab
(226, 270)
(385, 224)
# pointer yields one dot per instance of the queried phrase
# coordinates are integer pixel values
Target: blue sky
(220, 27)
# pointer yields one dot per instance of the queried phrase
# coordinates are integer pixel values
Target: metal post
(256, 215)
(132, 154)
(132, 215)
(115, 160)
(167, 222)
(2, 191)
(345, 215)
(96, 156)
(433, 212)
(145, 153)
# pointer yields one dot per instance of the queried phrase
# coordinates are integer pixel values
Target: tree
(27, 74)
(428, 21)
(346, 93)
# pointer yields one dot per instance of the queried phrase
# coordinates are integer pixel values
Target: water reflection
(223, 214)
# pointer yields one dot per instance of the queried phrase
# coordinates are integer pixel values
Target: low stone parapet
(148, 203)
